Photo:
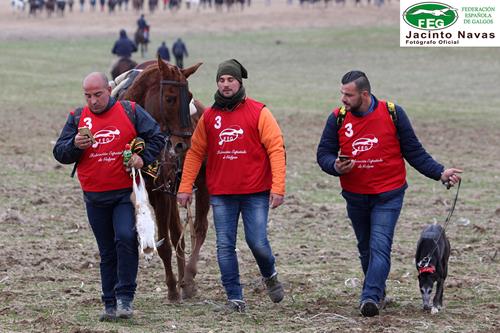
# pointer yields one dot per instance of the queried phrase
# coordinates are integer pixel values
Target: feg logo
(430, 16)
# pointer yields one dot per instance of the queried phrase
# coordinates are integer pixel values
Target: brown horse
(141, 39)
(162, 89)
(121, 66)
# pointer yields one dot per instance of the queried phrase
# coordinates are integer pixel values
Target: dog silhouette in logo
(435, 12)
(105, 136)
(363, 144)
(230, 134)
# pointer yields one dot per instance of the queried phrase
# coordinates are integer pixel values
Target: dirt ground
(49, 277)
(257, 16)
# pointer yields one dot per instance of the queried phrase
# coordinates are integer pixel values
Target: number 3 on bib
(218, 122)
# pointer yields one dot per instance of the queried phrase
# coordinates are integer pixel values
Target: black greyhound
(433, 252)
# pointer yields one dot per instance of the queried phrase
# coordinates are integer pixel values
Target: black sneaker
(274, 288)
(108, 314)
(233, 305)
(124, 309)
(368, 308)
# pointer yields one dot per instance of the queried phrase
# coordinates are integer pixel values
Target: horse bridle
(184, 115)
(170, 186)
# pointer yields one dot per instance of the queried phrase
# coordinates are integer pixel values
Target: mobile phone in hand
(343, 158)
(85, 131)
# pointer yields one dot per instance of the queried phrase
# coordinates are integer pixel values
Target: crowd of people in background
(58, 7)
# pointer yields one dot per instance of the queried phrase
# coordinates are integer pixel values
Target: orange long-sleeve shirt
(270, 137)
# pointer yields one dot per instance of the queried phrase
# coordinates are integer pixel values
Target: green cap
(232, 67)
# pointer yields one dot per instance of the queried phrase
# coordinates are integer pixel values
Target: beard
(355, 106)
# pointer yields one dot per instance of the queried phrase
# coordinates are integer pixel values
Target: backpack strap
(392, 111)
(129, 110)
(77, 114)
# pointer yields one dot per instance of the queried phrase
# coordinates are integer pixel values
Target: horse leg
(175, 231)
(200, 230)
(165, 250)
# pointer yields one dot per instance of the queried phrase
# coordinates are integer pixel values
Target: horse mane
(137, 91)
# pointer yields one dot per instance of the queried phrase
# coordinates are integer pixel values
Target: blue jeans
(254, 209)
(114, 230)
(374, 218)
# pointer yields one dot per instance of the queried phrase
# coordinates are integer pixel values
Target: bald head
(97, 91)
(96, 79)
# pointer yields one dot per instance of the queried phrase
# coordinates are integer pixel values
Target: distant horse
(50, 7)
(137, 5)
(121, 66)
(162, 89)
(35, 5)
(17, 6)
(141, 39)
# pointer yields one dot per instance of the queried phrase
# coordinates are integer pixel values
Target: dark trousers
(374, 218)
(114, 230)
(179, 62)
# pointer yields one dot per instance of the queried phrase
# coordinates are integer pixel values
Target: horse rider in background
(143, 26)
(179, 50)
(124, 46)
(163, 52)
(123, 49)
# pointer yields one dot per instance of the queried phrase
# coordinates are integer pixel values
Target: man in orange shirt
(245, 154)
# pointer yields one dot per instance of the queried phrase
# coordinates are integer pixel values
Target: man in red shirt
(245, 154)
(367, 151)
(107, 185)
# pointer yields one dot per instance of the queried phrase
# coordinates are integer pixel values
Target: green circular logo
(430, 16)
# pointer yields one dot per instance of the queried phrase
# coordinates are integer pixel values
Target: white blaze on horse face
(144, 218)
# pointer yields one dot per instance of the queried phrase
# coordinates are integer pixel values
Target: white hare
(144, 217)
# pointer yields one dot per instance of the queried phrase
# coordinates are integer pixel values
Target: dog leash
(427, 259)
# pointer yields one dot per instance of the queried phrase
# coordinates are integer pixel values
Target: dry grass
(49, 278)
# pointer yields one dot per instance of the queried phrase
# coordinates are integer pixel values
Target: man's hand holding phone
(343, 164)
(84, 138)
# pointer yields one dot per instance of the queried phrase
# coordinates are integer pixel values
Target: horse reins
(168, 186)
(427, 259)
(188, 221)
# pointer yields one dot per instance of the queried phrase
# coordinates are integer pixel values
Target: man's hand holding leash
(450, 177)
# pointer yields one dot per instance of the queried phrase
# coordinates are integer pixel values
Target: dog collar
(426, 269)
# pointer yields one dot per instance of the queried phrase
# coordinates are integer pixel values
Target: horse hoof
(188, 291)
(173, 296)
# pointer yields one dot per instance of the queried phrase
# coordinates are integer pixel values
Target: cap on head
(232, 67)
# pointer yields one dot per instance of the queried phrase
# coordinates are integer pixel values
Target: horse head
(162, 89)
